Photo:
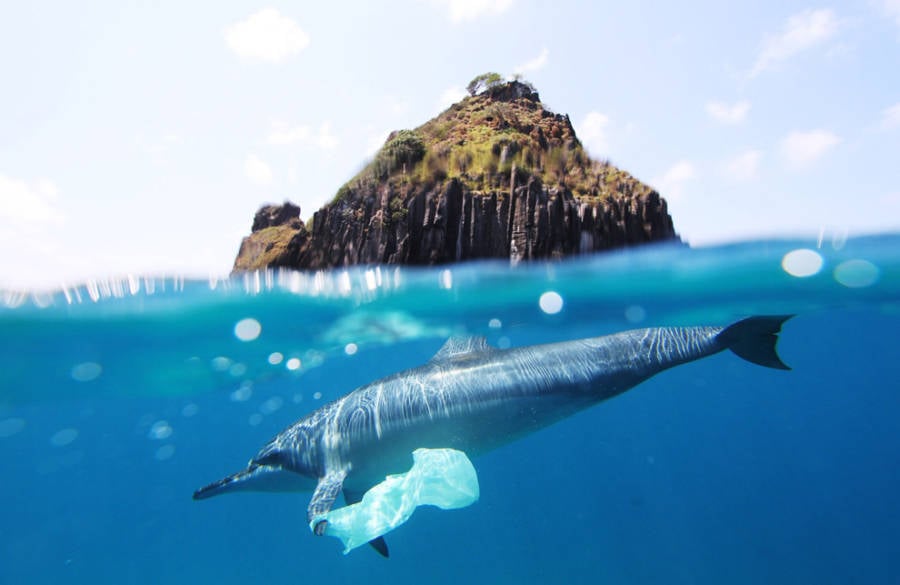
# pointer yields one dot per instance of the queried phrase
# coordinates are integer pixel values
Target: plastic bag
(439, 477)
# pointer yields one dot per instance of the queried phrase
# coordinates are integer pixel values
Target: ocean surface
(119, 398)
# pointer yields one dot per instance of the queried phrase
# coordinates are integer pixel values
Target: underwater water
(119, 398)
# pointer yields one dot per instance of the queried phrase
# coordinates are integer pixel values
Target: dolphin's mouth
(223, 485)
(258, 477)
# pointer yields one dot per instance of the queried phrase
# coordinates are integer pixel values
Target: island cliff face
(495, 176)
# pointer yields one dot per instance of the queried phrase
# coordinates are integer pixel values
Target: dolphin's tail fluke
(754, 339)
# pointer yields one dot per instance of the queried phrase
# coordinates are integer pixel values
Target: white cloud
(679, 172)
(593, 133)
(460, 10)
(34, 203)
(801, 32)
(892, 10)
(890, 117)
(282, 135)
(450, 96)
(267, 36)
(671, 184)
(326, 139)
(744, 166)
(801, 149)
(535, 64)
(728, 114)
(257, 170)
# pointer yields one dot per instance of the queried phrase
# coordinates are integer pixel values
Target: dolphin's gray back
(482, 399)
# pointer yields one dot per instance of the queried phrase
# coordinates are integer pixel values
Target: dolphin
(474, 398)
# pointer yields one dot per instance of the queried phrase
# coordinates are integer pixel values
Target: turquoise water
(119, 398)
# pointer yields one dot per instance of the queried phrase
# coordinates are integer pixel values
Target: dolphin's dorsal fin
(457, 346)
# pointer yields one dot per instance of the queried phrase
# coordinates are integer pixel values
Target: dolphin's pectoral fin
(379, 543)
(323, 498)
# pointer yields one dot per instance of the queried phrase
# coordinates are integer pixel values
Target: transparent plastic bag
(439, 477)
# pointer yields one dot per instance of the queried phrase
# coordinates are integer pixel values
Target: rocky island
(496, 175)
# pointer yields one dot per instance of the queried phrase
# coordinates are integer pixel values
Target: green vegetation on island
(500, 130)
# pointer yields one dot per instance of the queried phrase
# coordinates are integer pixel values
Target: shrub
(402, 150)
(484, 82)
(398, 211)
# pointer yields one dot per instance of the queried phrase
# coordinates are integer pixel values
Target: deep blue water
(119, 398)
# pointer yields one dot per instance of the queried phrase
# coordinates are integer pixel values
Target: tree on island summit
(484, 82)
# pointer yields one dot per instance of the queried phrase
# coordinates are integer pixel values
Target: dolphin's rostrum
(474, 398)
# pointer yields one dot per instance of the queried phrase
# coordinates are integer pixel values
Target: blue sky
(141, 139)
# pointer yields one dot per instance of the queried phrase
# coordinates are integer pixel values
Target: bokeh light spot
(802, 263)
(271, 405)
(243, 393)
(87, 371)
(165, 452)
(856, 273)
(11, 426)
(275, 358)
(63, 437)
(160, 430)
(446, 279)
(247, 329)
(551, 302)
(220, 364)
(635, 314)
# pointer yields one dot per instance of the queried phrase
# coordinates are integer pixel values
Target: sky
(140, 138)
